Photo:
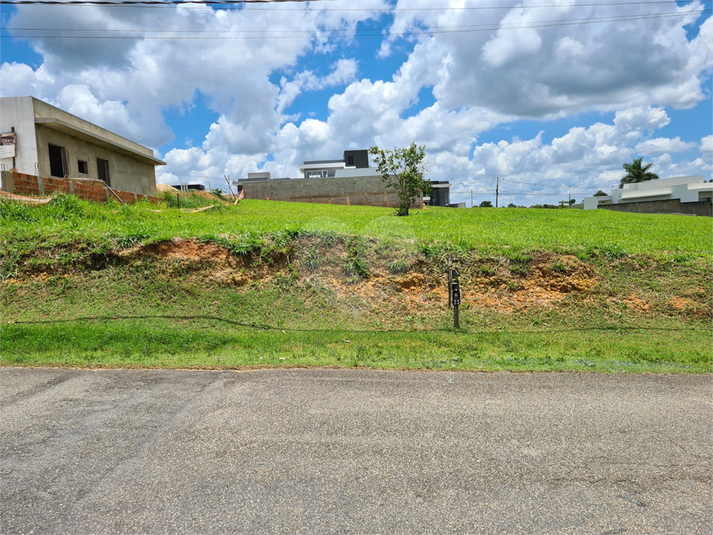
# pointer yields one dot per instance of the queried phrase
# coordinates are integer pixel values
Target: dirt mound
(548, 279)
(560, 273)
(183, 249)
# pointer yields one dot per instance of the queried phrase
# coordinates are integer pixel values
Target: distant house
(346, 181)
(680, 195)
(40, 139)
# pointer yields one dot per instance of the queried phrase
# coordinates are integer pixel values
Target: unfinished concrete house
(42, 140)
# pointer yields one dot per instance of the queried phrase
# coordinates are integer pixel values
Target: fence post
(40, 185)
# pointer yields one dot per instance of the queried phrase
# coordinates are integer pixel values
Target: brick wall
(25, 184)
(56, 185)
(90, 190)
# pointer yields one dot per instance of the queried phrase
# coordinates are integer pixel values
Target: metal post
(471, 197)
(450, 286)
(497, 190)
(455, 296)
(178, 198)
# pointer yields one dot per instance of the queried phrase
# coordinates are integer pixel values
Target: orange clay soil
(549, 280)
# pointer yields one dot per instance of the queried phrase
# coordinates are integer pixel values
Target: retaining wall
(670, 206)
(364, 190)
(88, 189)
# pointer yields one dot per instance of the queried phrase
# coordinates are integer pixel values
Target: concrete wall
(365, 190)
(125, 172)
(670, 206)
(18, 113)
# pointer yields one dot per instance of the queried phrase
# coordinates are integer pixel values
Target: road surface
(353, 451)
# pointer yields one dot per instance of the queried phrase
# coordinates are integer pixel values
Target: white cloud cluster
(148, 60)
(582, 160)
(484, 65)
(535, 61)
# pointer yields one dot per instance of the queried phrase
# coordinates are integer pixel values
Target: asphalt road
(346, 451)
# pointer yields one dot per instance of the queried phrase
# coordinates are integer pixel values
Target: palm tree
(636, 172)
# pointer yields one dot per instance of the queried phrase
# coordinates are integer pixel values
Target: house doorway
(58, 161)
(103, 171)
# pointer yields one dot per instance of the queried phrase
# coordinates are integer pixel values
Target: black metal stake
(178, 198)
(450, 286)
(454, 294)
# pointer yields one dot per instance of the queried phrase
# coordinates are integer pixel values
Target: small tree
(486, 204)
(403, 170)
(636, 172)
(600, 193)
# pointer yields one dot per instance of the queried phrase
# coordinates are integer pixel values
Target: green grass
(68, 300)
(495, 232)
(157, 315)
(216, 342)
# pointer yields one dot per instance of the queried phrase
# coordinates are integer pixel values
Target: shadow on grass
(264, 327)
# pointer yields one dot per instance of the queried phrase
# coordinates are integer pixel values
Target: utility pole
(569, 204)
(471, 197)
(497, 190)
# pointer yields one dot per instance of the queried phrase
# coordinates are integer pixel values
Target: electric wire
(262, 4)
(289, 34)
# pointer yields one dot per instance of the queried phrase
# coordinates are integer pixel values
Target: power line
(522, 193)
(261, 3)
(287, 34)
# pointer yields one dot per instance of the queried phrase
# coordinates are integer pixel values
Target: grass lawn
(290, 284)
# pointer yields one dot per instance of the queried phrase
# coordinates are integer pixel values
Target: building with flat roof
(40, 139)
(346, 181)
(684, 194)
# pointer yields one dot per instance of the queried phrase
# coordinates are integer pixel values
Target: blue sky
(550, 96)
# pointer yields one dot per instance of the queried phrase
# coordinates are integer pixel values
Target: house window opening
(103, 171)
(82, 167)
(58, 161)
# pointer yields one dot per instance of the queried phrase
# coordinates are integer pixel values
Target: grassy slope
(163, 312)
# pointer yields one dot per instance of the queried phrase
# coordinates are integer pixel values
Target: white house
(684, 189)
(40, 139)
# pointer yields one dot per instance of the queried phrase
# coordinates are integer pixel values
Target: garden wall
(84, 188)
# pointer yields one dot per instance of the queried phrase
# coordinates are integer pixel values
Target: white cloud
(707, 148)
(484, 67)
(663, 145)
(147, 74)
(509, 47)
(528, 65)
(641, 119)
(343, 72)
(583, 160)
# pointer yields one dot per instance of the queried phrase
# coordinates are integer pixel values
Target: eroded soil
(398, 279)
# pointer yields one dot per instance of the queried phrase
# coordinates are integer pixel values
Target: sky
(548, 98)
